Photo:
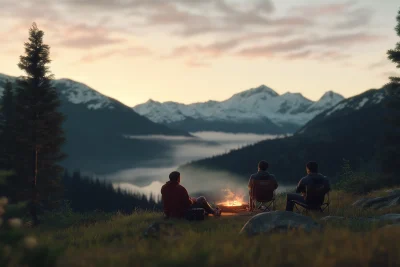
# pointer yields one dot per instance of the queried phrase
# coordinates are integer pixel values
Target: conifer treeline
(31, 138)
(86, 194)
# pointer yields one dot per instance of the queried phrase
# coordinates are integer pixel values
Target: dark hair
(263, 165)
(173, 176)
(312, 166)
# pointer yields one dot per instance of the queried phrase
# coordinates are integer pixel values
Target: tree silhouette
(391, 153)
(7, 126)
(39, 130)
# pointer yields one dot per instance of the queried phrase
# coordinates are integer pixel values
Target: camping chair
(315, 199)
(263, 193)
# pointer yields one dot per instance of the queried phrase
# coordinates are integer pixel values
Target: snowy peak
(255, 105)
(74, 92)
(259, 91)
(79, 93)
(364, 100)
(330, 95)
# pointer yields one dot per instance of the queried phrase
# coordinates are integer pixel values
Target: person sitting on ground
(262, 174)
(312, 178)
(176, 200)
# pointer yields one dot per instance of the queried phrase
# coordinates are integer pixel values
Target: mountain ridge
(96, 126)
(351, 130)
(261, 107)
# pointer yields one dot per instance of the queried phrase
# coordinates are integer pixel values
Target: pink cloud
(134, 51)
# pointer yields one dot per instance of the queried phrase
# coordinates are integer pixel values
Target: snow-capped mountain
(96, 126)
(365, 104)
(259, 110)
(353, 130)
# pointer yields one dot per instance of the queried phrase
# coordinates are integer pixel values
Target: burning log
(234, 202)
(234, 209)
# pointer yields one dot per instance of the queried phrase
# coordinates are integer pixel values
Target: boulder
(393, 199)
(332, 219)
(389, 218)
(391, 227)
(278, 221)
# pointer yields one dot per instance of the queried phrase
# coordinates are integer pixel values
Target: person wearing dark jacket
(176, 200)
(262, 174)
(312, 178)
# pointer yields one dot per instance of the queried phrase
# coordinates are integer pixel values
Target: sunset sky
(196, 50)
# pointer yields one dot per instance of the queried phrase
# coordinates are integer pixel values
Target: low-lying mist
(148, 179)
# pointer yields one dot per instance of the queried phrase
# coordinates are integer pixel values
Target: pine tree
(391, 154)
(39, 130)
(7, 126)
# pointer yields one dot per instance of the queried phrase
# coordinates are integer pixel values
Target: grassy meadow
(118, 240)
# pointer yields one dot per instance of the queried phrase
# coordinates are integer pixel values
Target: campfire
(233, 202)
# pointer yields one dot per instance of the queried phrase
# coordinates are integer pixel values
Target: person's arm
(187, 200)
(250, 184)
(300, 186)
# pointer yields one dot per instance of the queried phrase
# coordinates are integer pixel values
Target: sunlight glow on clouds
(116, 46)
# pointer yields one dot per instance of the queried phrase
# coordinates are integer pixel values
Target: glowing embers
(233, 202)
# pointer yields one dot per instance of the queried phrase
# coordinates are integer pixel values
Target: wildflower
(15, 222)
(3, 201)
(30, 242)
(6, 251)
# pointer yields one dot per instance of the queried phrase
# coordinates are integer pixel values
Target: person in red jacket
(176, 199)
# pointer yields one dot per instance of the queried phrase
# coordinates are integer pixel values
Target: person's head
(175, 177)
(312, 167)
(262, 165)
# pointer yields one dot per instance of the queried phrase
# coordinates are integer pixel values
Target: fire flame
(232, 199)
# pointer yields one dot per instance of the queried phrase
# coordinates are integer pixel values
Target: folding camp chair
(316, 199)
(263, 193)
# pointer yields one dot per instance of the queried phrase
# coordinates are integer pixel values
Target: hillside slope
(350, 130)
(95, 127)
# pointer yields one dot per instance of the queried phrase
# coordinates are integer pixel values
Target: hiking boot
(217, 212)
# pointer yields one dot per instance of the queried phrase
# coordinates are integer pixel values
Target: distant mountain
(258, 110)
(96, 127)
(351, 130)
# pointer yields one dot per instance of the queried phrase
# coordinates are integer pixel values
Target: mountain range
(257, 110)
(96, 126)
(352, 130)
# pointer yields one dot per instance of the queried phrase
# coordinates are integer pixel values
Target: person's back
(262, 174)
(255, 179)
(175, 199)
(311, 180)
(314, 186)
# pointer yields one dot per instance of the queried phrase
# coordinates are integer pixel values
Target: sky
(197, 50)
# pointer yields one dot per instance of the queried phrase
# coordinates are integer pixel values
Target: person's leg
(250, 203)
(202, 202)
(290, 198)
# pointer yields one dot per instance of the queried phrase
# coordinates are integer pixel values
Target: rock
(391, 227)
(393, 199)
(278, 221)
(389, 218)
(163, 230)
(395, 191)
(332, 219)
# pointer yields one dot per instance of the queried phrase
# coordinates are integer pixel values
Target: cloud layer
(202, 29)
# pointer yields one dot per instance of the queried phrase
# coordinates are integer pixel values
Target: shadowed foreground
(119, 241)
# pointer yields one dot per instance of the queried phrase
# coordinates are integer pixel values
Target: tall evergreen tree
(39, 130)
(7, 126)
(391, 158)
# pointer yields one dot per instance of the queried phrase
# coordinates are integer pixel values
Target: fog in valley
(148, 179)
